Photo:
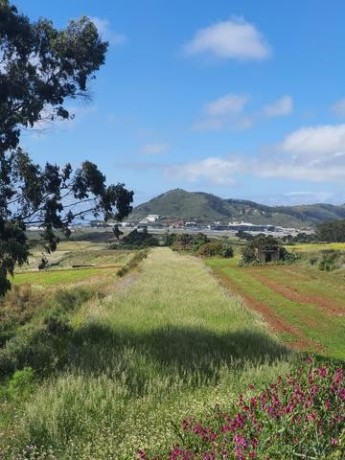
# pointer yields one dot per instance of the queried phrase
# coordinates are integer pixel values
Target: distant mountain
(206, 208)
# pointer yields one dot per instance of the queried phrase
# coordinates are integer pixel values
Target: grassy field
(62, 277)
(313, 247)
(165, 342)
(305, 306)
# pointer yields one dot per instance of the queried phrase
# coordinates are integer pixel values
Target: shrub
(215, 248)
(188, 242)
(22, 384)
(300, 416)
(331, 259)
(17, 308)
(44, 345)
(139, 239)
(67, 300)
(254, 252)
(133, 263)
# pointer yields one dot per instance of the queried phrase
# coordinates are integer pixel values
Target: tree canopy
(333, 231)
(41, 68)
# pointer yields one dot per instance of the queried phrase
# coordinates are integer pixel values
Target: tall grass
(169, 343)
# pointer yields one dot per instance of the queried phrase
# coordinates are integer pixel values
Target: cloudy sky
(240, 98)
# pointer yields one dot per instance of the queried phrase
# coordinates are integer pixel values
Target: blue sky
(241, 98)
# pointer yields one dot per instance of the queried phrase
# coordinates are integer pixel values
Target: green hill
(206, 208)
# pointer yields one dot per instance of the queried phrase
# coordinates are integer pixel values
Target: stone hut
(267, 255)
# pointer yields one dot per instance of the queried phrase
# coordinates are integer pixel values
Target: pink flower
(323, 372)
(338, 376)
(327, 405)
(239, 440)
(141, 454)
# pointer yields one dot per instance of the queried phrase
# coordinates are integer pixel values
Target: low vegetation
(128, 367)
(328, 259)
(149, 357)
(201, 245)
(138, 239)
(301, 415)
(303, 304)
(262, 249)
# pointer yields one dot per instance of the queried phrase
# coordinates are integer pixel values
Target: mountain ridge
(202, 207)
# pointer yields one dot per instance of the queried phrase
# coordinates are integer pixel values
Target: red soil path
(276, 323)
(326, 305)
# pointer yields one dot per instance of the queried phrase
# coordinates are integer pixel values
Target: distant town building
(152, 217)
(248, 227)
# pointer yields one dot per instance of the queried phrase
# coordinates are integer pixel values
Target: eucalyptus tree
(41, 68)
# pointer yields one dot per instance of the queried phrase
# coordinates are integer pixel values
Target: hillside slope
(206, 208)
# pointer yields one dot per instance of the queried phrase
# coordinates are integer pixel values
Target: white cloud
(279, 108)
(225, 112)
(104, 29)
(316, 141)
(209, 124)
(227, 105)
(243, 123)
(332, 170)
(309, 197)
(338, 108)
(213, 169)
(232, 39)
(313, 154)
(154, 149)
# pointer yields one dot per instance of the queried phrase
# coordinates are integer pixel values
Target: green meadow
(311, 247)
(303, 304)
(115, 368)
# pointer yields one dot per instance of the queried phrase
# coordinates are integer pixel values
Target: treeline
(331, 231)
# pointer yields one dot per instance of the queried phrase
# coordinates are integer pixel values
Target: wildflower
(338, 376)
(239, 440)
(185, 424)
(323, 372)
(327, 405)
(141, 454)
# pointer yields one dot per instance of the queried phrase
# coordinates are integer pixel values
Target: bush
(139, 239)
(255, 250)
(17, 308)
(67, 300)
(215, 248)
(187, 242)
(331, 259)
(133, 263)
(301, 416)
(22, 384)
(43, 346)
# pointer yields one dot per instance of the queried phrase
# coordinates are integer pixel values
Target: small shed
(267, 255)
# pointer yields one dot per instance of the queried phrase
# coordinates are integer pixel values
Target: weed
(133, 263)
(172, 343)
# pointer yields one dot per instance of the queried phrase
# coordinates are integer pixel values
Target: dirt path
(328, 306)
(299, 340)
